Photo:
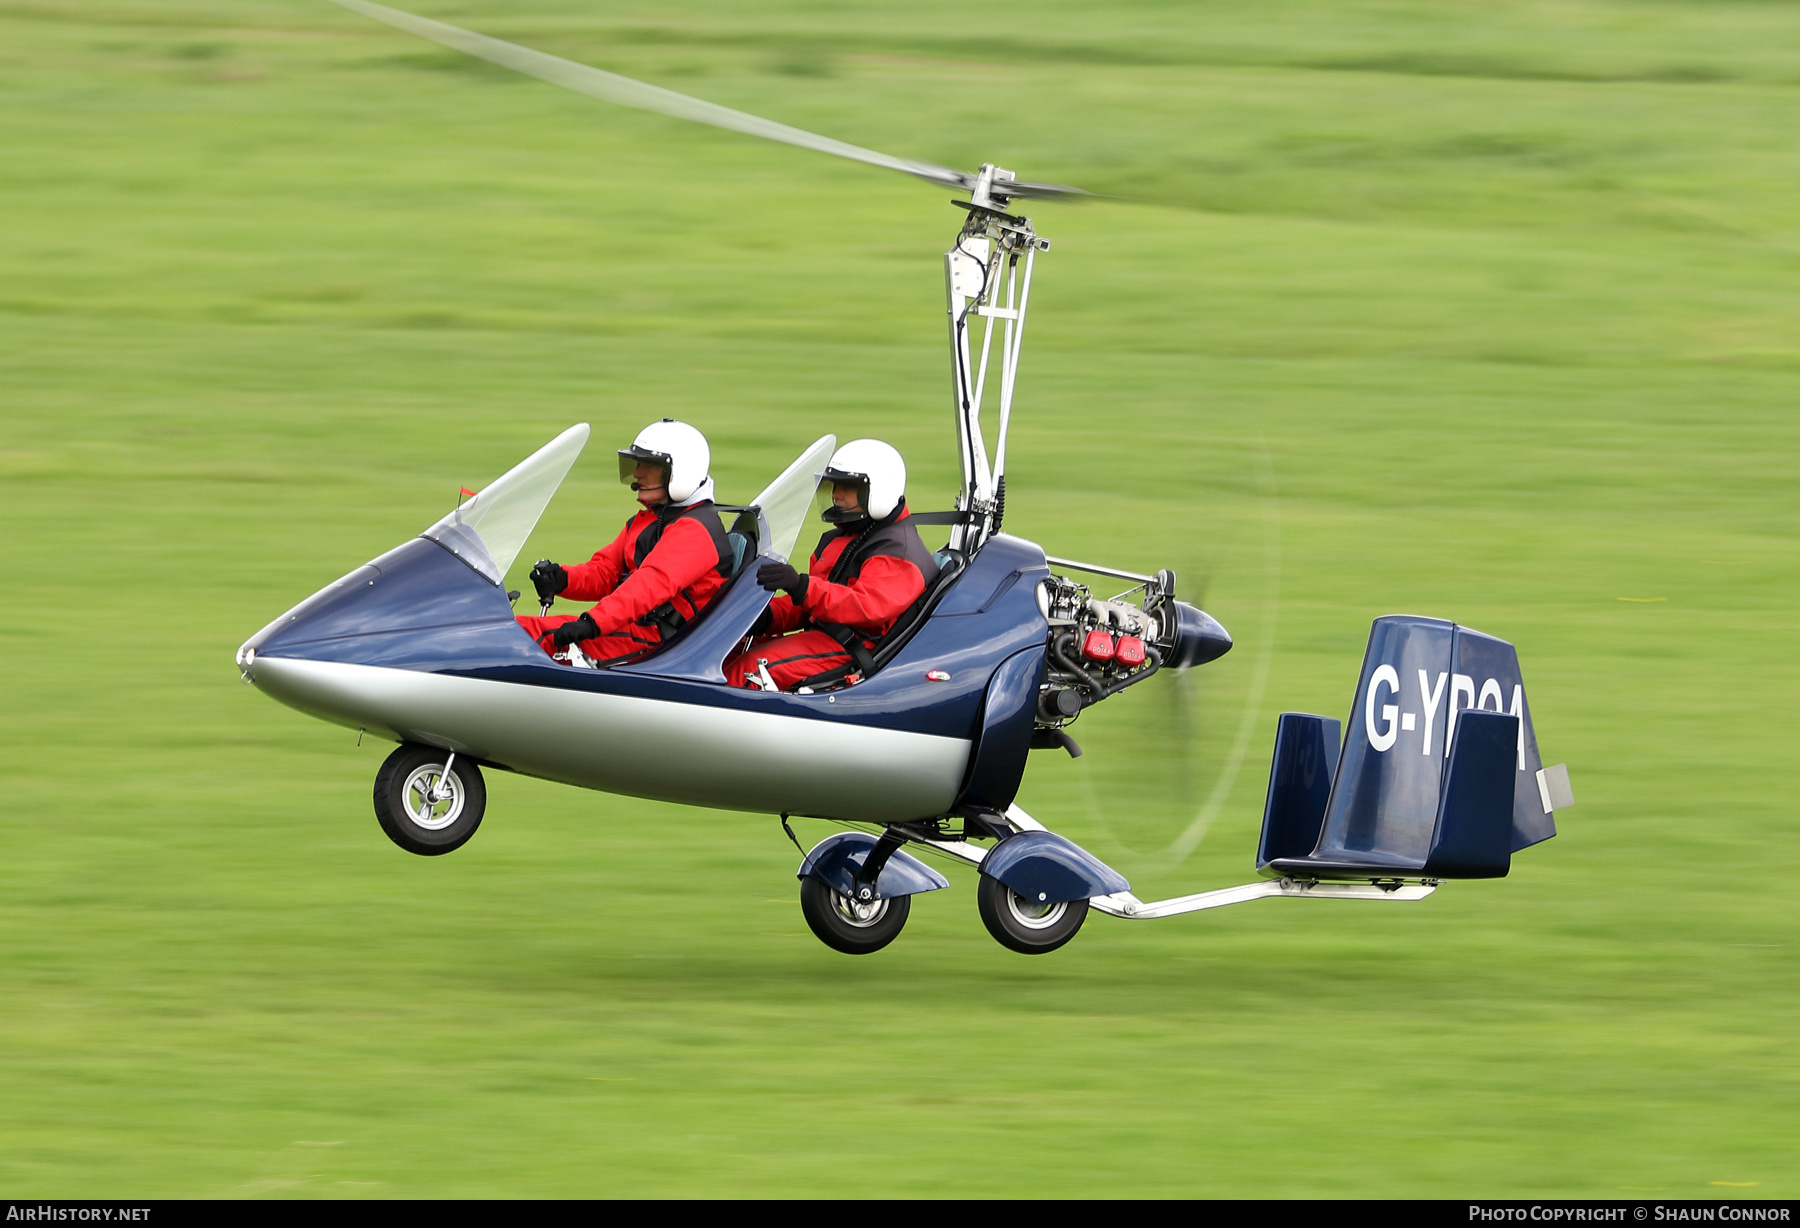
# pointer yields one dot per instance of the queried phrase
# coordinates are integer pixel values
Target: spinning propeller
(1185, 744)
(991, 187)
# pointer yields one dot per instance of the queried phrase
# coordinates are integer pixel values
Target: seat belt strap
(852, 642)
(959, 517)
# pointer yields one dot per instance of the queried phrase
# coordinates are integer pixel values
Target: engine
(1099, 646)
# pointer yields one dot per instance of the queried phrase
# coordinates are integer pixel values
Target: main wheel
(423, 810)
(1027, 926)
(843, 924)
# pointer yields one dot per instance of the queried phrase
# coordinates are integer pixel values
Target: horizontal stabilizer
(1474, 827)
(1306, 756)
(1439, 775)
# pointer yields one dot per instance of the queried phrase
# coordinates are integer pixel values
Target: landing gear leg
(862, 921)
(856, 890)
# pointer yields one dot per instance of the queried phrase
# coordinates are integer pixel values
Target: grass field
(1481, 311)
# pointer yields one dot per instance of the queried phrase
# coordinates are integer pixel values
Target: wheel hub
(860, 913)
(1034, 914)
(433, 801)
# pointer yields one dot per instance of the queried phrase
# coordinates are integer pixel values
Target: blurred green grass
(1479, 311)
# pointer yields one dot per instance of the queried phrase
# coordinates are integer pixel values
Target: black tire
(833, 919)
(415, 825)
(1026, 926)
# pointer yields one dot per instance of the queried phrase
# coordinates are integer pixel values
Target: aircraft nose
(336, 609)
(416, 607)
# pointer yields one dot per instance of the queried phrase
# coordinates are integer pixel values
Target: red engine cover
(1130, 651)
(1098, 646)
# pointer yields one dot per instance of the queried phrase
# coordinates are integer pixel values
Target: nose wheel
(429, 802)
(855, 927)
(1030, 927)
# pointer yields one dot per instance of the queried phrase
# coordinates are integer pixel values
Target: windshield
(488, 531)
(788, 499)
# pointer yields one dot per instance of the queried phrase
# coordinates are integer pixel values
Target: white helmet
(879, 470)
(678, 448)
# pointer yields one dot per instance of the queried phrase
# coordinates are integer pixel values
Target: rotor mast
(984, 281)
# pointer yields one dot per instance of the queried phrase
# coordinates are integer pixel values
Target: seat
(740, 551)
(951, 564)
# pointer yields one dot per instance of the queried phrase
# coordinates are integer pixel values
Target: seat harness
(666, 618)
(887, 537)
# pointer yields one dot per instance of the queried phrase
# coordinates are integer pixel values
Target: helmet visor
(629, 460)
(851, 504)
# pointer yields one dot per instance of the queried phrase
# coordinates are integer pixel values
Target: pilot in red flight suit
(660, 572)
(865, 573)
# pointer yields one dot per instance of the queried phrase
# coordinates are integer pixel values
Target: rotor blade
(610, 87)
(1020, 187)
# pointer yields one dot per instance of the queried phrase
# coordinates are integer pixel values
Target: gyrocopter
(926, 743)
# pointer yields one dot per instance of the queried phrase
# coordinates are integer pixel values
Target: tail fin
(1398, 803)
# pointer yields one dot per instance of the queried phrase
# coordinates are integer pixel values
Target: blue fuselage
(417, 646)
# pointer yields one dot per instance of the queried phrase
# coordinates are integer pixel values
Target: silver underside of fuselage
(724, 758)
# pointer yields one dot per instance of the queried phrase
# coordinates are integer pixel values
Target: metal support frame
(441, 791)
(1125, 904)
(984, 280)
(1072, 565)
(876, 861)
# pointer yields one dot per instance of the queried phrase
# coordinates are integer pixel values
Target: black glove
(763, 622)
(574, 631)
(548, 579)
(778, 576)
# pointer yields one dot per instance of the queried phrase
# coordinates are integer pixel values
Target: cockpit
(489, 530)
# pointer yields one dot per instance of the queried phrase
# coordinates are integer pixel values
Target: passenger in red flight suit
(865, 573)
(660, 572)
